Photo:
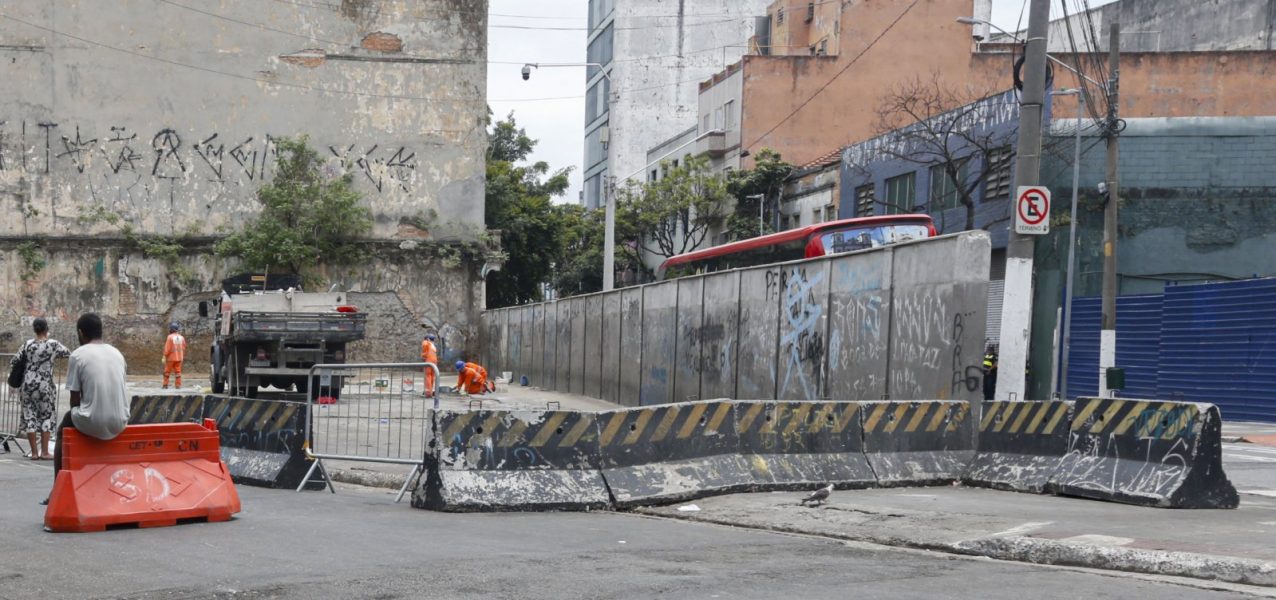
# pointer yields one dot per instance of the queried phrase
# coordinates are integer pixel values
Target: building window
(728, 115)
(717, 118)
(655, 174)
(824, 47)
(864, 200)
(830, 213)
(901, 194)
(997, 183)
(704, 128)
(810, 12)
(779, 16)
(945, 193)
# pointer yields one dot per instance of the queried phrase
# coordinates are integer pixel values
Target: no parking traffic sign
(1032, 210)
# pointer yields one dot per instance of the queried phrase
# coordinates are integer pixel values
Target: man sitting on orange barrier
(472, 378)
(95, 376)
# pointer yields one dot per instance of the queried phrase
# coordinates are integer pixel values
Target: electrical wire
(841, 72)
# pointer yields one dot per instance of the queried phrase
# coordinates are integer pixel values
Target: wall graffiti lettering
(178, 157)
(802, 341)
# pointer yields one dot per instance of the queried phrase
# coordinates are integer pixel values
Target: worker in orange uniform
(174, 354)
(430, 354)
(472, 378)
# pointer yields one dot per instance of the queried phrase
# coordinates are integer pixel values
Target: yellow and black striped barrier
(1147, 452)
(263, 441)
(512, 460)
(926, 442)
(1020, 445)
(671, 452)
(148, 410)
(797, 445)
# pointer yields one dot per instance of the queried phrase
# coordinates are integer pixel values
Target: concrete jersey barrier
(512, 460)
(917, 442)
(803, 445)
(669, 453)
(1146, 452)
(1020, 445)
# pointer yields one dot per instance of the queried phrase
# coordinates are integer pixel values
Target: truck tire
(219, 383)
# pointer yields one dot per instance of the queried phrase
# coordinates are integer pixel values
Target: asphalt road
(359, 544)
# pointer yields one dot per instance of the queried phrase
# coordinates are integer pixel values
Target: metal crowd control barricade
(10, 409)
(369, 413)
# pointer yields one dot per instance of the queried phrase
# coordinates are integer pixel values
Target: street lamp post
(609, 197)
(1072, 243)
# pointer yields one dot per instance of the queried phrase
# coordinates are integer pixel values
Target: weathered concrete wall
(174, 136)
(905, 321)
(138, 296)
(171, 148)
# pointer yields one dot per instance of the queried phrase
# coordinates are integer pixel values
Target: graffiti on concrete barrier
(966, 377)
(802, 337)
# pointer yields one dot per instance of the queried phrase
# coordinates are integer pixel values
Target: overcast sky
(551, 105)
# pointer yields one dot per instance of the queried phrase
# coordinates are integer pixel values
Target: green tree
(519, 204)
(307, 218)
(671, 215)
(763, 183)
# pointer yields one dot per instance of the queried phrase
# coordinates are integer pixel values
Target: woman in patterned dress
(39, 396)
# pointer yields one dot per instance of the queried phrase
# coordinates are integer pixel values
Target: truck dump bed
(269, 326)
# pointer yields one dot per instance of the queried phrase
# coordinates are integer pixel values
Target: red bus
(822, 239)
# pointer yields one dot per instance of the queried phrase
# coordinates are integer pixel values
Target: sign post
(1032, 210)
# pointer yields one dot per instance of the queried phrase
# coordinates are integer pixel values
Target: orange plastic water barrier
(148, 476)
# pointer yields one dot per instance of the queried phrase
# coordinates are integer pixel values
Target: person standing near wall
(990, 372)
(174, 354)
(430, 354)
(39, 397)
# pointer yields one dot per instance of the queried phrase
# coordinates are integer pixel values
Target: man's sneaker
(45, 502)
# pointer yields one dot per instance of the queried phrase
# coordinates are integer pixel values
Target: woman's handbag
(18, 372)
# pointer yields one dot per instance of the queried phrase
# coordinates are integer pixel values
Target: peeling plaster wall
(164, 118)
(137, 296)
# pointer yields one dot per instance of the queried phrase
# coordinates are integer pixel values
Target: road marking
(1099, 540)
(1268, 493)
(1025, 528)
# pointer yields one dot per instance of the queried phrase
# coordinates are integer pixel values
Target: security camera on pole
(1016, 317)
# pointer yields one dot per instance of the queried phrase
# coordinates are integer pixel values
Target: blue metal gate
(1208, 343)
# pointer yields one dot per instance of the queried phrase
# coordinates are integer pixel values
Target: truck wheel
(219, 384)
(250, 392)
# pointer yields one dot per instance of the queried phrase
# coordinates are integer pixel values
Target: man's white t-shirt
(97, 371)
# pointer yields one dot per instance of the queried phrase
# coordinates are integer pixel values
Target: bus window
(862, 238)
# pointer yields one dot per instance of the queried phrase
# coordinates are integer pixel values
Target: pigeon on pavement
(819, 496)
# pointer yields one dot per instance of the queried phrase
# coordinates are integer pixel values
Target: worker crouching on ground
(471, 378)
(174, 354)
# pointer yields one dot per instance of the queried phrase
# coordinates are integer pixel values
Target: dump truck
(268, 332)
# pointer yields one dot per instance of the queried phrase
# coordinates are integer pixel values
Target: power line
(836, 76)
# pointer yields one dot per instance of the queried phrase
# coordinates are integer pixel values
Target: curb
(1048, 552)
(366, 478)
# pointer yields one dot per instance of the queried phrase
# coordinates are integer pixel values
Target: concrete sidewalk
(1224, 545)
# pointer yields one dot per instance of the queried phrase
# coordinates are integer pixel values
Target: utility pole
(1016, 316)
(1107, 336)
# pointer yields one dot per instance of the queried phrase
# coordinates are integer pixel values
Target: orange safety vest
(175, 348)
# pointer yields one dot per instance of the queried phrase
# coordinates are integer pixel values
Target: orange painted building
(811, 85)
